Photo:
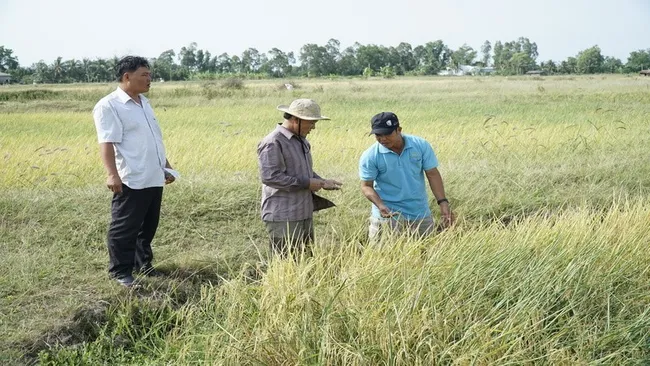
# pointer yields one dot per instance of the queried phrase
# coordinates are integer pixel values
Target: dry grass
(549, 262)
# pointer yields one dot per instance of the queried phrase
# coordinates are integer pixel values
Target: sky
(45, 29)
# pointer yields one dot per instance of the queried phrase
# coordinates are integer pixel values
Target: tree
(520, 62)
(252, 60)
(638, 60)
(373, 56)
(7, 60)
(164, 67)
(464, 55)
(42, 72)
(314, 59)
(86, 65)
(57, 70)
(432, 57)
(203, 59)
(105, 71)
(407, 60)
(349, 65)
(223, 64)
(333, 56)
(73, 71)
(187, 56)
(525, 51)
(612, 65)
(279, 63)
(236, 64)
(498, 55)
(569, 66)
(589, 61)
(23, 74)
(508, 58)
(528, 47)
(485, 50)
(548, 67)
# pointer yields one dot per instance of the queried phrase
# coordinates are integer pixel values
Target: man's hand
(331, 184)
(385, 212)
(447, 217)
(114, 183)
(169, 178)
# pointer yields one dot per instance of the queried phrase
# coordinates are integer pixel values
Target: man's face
(139, 81)
(391, 140)
(305, 127)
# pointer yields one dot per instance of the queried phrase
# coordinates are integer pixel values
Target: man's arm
(438, 190)
(271, 167)
(109, 131)
(113, 181)
(369, 191)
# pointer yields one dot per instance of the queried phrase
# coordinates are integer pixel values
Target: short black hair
(287, 115)
(130, 64)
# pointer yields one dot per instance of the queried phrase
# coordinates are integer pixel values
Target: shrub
(233, 83)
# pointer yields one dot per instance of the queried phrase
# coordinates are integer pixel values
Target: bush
(387, 72)
(233, 83)
(27, 95)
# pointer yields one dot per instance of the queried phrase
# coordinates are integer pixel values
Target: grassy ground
(548, 263)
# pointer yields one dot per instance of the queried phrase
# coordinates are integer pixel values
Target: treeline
(190, 62)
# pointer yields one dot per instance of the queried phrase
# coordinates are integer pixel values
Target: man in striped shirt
(288, 179)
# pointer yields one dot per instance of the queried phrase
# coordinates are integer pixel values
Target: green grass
(549, 262)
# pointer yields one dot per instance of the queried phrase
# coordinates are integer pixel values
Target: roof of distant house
(4, 74)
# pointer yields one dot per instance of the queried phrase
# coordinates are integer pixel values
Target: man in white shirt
(133, 154)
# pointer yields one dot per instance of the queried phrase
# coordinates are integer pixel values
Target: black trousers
(134, 220)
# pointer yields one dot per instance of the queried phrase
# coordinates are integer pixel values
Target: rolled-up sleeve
(273, 169)
(108, 125)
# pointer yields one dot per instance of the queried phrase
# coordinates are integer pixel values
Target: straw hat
(304, 109)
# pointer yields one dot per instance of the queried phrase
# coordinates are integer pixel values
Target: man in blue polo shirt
(392, 175)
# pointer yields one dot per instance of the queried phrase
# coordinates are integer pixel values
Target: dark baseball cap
(384, 123)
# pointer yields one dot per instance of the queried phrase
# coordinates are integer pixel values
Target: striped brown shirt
(285, 167)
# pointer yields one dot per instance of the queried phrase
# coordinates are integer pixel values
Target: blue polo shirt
(399, 179)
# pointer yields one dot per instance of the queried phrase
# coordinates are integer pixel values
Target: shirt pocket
(415, 164)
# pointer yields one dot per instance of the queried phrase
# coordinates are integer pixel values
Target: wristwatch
(442, 200)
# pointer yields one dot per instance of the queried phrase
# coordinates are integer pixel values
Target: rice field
(548, 263)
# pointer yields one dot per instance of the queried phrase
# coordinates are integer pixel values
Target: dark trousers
(135, 214)
(291, 237)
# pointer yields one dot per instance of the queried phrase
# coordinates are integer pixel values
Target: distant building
(536, 72)
(5, 78)
(485, 70)
(463, 70)
(644, 72)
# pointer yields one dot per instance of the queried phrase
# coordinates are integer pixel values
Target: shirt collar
(285, 131)
(385, 150)
(124, 98)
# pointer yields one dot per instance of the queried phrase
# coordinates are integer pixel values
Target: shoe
(150, 272)
(126, 281)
